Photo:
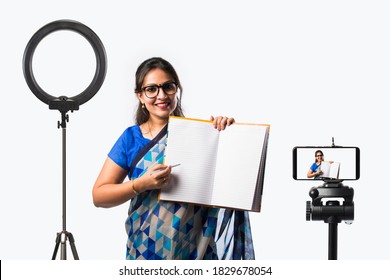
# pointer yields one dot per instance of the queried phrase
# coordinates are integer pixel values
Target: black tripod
(64, 105)
(332, 212)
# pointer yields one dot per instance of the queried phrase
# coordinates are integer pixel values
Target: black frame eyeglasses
(169, 88)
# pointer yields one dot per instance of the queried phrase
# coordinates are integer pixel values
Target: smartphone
(326, 163)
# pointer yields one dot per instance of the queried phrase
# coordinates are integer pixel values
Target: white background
(312, 69)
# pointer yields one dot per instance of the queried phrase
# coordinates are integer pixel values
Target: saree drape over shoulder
(160, 230)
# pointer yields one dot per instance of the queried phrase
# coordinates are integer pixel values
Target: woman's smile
(162, 105)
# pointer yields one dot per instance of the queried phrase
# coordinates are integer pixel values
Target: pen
(161, 169)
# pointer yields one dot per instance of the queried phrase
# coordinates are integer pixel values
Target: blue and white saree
(160, 230)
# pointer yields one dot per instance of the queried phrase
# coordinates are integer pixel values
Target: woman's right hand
(156, 177)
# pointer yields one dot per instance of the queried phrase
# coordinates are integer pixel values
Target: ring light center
(64, 63)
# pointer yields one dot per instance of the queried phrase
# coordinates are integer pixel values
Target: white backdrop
(312, 69)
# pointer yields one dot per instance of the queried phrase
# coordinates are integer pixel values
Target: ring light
(64, 103)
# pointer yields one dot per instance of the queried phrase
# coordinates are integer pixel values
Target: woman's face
(319, 157)
(162, 105)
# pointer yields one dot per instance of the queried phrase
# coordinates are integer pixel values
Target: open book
(217, 168)
(330, 170)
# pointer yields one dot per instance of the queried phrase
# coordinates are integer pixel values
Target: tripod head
(331, 211)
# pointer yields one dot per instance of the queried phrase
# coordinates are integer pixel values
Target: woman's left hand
(220, 123)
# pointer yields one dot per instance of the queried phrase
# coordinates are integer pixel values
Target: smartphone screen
(326, 163)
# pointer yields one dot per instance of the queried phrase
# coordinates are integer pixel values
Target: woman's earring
(143, 106)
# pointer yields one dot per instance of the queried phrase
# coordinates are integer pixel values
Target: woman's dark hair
(142, 115)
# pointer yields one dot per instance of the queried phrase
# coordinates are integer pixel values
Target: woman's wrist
(135, 190)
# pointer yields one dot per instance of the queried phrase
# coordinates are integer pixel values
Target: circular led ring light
(96, 44)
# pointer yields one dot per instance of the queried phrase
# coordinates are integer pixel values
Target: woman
(315, 168)
(156, 229)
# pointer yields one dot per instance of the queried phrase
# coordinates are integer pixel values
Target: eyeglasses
(319, 155)
(151, 91)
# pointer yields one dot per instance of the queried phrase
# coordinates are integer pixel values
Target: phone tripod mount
(331, 211)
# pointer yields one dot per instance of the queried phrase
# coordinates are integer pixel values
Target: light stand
(64, 235)
(65, 104)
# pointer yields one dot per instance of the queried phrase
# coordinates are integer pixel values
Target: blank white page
(330, 170)
(192, 144)
(238, 161)
(334, 170)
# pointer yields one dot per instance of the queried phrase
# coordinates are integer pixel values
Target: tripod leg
(56, 247)
(62, 237)
(73, 246)
(332, 247)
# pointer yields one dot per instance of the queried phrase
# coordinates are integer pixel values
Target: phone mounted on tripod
(331, 202)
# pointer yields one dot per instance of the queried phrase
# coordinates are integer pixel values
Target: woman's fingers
(159, 176)
(220, 122)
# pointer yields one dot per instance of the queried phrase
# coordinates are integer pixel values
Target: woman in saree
(156, 229)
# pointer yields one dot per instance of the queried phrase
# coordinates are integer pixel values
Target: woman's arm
(110, 190)
(312, 174)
